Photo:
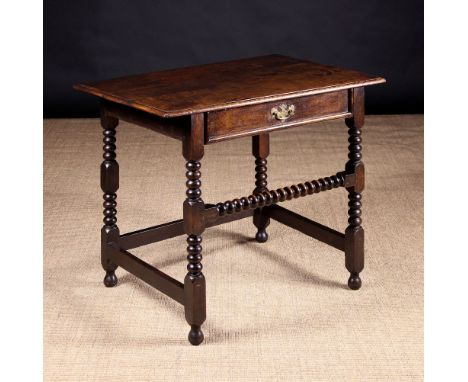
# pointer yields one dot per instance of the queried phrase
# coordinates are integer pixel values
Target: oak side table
(207, 104)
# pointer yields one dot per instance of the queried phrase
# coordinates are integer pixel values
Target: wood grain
(255, 119)
(218, 86)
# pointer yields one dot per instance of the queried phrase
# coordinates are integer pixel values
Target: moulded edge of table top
(90, 89)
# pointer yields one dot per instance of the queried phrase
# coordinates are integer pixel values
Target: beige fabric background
(278, 311)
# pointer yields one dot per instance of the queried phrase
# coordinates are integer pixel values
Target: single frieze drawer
(253, 119)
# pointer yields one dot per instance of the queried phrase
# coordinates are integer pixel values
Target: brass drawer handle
(283, 112)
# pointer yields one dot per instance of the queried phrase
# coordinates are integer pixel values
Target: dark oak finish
(194, 225)
(211, 103)
(269, 197)
(306, 226)
(260, 150)
(249, 120)
(212, 217)
(354, 234)
(149, 274)
(176, 92)
(109, 185)
(175, 228)
(153, 234)
(171, 127)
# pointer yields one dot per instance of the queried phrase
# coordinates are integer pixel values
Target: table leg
(354, 234)
(260, 150)
(109, 185)
(194, 282)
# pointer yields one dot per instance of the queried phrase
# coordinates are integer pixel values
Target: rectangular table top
(184, 91)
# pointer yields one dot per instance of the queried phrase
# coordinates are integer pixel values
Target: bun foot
(110, 280)
(261, 236)
(196, 336)
(354, 281)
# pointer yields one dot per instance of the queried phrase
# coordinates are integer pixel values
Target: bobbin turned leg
(260, 150)
(109, 185)
(194, 282)
(354, 234)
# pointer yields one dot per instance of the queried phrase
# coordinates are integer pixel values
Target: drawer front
(254, 119)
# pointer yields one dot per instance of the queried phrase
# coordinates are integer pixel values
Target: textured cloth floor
(275, 311)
